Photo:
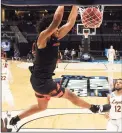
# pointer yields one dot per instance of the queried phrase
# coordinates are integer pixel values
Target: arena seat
(73, 76)
(98, 77)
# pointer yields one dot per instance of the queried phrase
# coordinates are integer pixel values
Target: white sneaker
(10, 128)
(8, 114)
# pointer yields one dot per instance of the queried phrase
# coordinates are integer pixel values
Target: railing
(21, 38)
(94, 52)
(101, 53)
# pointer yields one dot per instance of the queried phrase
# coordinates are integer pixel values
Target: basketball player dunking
(111, 55)
(115, 114)
(45, 64)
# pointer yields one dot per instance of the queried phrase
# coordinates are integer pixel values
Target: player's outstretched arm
(56, 21)
(50, 29)
(70, 22)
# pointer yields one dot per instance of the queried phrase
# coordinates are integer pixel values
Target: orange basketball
(92, 17)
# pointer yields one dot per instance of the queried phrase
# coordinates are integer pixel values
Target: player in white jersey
(115, 114)
(111, 55)
(6, 78)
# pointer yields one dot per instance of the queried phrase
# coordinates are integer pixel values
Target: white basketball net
(99, 7)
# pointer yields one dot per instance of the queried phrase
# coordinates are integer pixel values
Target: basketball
(92, 17)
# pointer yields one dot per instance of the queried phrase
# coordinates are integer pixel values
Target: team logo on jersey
(116, 102)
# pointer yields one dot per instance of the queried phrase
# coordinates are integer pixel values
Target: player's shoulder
(111, 95)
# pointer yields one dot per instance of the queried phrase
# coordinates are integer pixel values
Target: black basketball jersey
(46, 59)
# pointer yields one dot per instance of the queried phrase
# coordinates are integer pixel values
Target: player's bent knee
(68, 95)
(59, 92)
(42, 104)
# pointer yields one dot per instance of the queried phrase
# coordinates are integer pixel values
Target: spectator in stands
(66, 54)
(117, 55)
(66, 51)
(16, 55)
(34, 49)
(115, 27)
(59, 58)
(81, 50)
(29, 56)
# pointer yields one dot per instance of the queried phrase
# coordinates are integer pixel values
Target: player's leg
(119, 124)
(75, 99)
(83, 104)
(111, 59)
(42, 102)
(3, 96)
(111, 126)
(41, 106)
(67, 94)
(9, 100)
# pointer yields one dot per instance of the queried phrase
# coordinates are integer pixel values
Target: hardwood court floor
(24, 96)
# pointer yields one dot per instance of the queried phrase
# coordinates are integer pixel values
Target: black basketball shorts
(46, 87)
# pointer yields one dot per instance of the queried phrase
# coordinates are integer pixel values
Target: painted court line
(46, 113)
(59, 130)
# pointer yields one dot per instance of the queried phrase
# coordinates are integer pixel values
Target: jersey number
(3, 77)
(118, 108)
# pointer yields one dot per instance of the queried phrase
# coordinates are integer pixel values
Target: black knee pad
(63, 90)
(58, 91)
(38, 96)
